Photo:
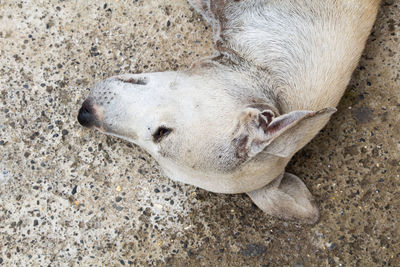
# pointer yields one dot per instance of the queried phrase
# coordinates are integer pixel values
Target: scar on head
(140, 81)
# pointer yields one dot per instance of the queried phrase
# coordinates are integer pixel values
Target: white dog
(231, 123)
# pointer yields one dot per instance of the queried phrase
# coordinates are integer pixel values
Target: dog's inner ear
(282, 136)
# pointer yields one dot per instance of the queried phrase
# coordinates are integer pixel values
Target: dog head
(199, 126)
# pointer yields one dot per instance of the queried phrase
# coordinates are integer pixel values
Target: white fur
(239, 117)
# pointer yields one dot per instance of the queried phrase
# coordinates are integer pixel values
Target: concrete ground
(71, 196)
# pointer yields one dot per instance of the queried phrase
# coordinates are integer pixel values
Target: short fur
(232, 122)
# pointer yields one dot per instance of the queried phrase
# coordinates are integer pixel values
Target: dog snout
(87, 116)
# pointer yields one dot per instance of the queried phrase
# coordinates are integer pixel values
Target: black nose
(86, 116)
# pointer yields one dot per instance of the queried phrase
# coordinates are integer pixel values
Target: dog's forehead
(164, 93)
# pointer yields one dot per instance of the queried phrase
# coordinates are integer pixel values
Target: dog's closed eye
(160, 133)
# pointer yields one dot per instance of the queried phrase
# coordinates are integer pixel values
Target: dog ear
(287, 197)
(281, 136)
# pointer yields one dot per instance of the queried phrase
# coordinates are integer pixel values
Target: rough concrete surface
(71, 196)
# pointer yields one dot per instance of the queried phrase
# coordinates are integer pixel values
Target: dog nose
(86, 116)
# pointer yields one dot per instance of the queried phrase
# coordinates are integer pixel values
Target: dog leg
(203, 7)
(213, 11)
(287, 198)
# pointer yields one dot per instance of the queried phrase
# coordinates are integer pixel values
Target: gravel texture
(71, 196)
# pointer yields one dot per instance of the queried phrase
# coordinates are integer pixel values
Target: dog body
(232, 122)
